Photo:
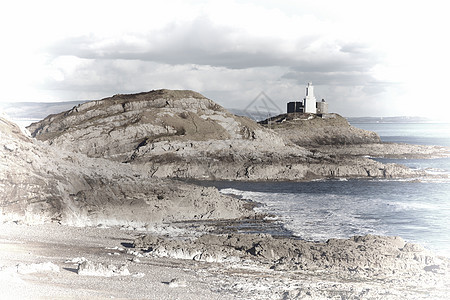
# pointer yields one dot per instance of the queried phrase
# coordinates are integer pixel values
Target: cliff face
(309, 130)
(185, 135)
(39, 183)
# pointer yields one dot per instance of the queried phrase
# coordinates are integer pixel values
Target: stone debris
(361, 267)
(76, 260)
(10, 147)
(37, 268)
(135, 253)
(135, 260)
(89, 268)
(115, 248)
(177, 282)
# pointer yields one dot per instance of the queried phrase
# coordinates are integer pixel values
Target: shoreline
(211, 266)
(389, 150)
(286, 219)
(229, 251)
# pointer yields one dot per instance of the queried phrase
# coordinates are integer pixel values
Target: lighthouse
(309, 104)
(310, 100)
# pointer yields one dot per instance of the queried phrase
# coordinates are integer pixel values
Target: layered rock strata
(311, 130)
(387, 150)
(182, 134)
(390, 261)
(39, 183)
(332, 134)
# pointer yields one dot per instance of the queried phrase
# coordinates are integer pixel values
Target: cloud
(361, 56)
(229, 52)
(201, 41)
(224, 62)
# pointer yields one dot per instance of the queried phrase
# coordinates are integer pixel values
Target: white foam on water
(355, 207)
(311, 216)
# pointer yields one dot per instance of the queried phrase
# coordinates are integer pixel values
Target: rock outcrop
(333, 135)
(129, 128)
(310, 130)
(39, 183)
(357, 257)
(387, 150)
(181, 134)
(374, 267)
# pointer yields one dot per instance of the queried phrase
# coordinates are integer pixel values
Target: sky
(365, 58)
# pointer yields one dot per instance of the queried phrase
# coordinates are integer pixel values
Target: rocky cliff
(39, 183)
(182, 134)
(310, 130)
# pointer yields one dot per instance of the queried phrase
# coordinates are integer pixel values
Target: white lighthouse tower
(310, 100)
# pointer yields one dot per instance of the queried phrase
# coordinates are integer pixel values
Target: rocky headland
(333, 135)
(311, 130)
(182, 134)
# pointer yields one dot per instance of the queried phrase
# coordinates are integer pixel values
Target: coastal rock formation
(181, 134)
(345, 149)
(130, 128)
(370, 254)
(345, 166)
(242, 266)
(333, 135)
(390, 261)
(39, 183)
(309, 130)
(387, 150)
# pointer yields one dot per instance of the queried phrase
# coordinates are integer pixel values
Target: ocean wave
(244, 194)
(231, 191)
(438, 179)
(415, 209)
(414, 206)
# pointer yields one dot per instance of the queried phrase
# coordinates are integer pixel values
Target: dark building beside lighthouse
(295, 107)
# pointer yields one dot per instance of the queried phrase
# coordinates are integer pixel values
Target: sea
(416, 210)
